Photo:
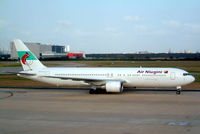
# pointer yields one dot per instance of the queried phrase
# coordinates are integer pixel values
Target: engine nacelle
(114, 86)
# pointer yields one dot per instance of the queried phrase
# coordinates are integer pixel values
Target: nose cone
(190, 79)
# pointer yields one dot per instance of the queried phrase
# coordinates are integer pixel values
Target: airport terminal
(48, 51)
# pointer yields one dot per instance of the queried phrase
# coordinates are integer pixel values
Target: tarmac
(67, 111)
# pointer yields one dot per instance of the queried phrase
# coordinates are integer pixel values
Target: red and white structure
(74, 55)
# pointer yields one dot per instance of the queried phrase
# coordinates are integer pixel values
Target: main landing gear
(178, 90)
(97, 91)
(92, 91)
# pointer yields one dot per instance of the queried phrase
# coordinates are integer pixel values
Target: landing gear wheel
(178, 91)
(97, 91)
(92, 91)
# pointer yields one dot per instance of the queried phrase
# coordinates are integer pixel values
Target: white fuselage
(132, 77)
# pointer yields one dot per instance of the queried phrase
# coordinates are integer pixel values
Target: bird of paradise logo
(24, 57)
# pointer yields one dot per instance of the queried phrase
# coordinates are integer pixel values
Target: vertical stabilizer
(28, 60)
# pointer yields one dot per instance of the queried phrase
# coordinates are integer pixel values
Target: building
(75, 55)
(4, 55)
(40, 50)
(149, 56)
(58, 49)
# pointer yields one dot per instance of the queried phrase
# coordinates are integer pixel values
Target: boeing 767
(112, 79)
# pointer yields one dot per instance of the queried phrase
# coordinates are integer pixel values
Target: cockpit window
(186, 74)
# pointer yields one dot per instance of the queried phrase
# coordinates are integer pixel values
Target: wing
(90, 81)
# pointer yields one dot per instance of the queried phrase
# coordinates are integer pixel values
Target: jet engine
(114, 86)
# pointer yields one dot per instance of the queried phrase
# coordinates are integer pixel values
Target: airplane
(108, 79)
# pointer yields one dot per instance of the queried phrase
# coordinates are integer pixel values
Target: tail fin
(28, 60)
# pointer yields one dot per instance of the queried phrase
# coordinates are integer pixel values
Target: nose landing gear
(178, 90)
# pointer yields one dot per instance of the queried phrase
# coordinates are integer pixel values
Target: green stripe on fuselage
(22, 53)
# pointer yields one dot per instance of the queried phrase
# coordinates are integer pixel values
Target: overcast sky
(95, 26)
